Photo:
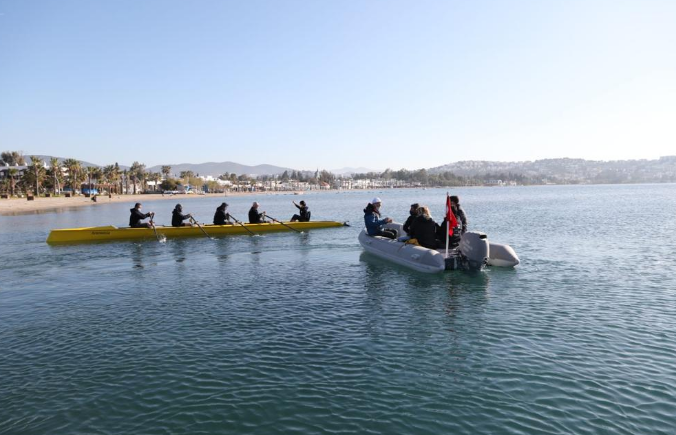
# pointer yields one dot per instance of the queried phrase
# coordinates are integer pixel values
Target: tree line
(72, 174)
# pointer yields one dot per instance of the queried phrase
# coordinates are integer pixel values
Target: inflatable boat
(474, 252)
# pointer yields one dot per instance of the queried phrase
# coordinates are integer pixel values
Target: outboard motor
(475, 249)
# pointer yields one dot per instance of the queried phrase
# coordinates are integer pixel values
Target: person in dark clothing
(221, 217)
(459, 229)
(177, 217)
(459, 214)
(374, 225)
(304, 215)
(137, 216)
(413, 213)
(424, 229)
(254, 216)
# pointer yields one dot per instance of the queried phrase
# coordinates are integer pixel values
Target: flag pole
(448, 224)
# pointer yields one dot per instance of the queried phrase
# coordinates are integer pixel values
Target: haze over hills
(566, 170)
(562, 170)
(217, 168)
(46, 159)
(350, 170)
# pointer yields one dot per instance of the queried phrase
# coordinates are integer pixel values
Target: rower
(177, 217)
(221, 217)
(254, 216)
(137, 216)
(304, 213)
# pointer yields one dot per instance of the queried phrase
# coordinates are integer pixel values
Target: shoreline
(21, 206)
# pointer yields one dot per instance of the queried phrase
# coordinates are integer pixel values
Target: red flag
(450, 217)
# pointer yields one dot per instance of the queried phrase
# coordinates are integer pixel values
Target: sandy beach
(16, 206)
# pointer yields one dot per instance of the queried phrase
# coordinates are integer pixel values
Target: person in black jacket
(177, 217)
(459, 229)
(424, 229)
(413, 213)
(254, 216)
(304, 215)
(459, 213)
(137, 216)
(221, 217)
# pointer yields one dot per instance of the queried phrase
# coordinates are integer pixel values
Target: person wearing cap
(254, 216)
(137, 216)
(221, 217)
(304, 215)
(374, 225)
(177, 217)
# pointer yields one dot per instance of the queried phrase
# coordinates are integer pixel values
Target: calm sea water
(304, 334)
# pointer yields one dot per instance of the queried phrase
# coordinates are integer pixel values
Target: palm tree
(156, 177)
(186, 175)
(12, 173)
(115, 177)
(90, 170)
(56, 173)
(109, 176)
(13, 158)
(38, 172)
(97, 174)
(234, 181)
(74, 168)
(136, 173)
(166, 170)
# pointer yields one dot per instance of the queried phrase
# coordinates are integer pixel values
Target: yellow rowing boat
(111, 232)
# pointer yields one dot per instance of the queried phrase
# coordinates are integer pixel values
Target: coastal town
(30, 176)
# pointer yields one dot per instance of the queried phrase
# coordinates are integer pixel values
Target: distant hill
(568, 171)
(61, 159)
(215, 169)
(351, 171)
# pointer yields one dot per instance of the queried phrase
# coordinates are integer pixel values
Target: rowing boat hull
(112, 233)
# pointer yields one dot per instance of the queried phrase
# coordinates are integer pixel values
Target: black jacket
(409, 221)
(303, 213)
(177, 218)
(460, 216)
(424, 229)
(136, 217)
(254, 216)
(221, 217)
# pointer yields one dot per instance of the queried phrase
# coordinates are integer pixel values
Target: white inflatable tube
(502, 255)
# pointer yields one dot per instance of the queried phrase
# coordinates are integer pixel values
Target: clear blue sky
(328, 84)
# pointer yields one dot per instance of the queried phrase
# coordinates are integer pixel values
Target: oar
(152, 224)
(280, 222)
(200, 227)
(243, 226)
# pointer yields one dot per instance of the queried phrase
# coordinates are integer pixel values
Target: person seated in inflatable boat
(459, 229)
(424, 229)
(412, 214)
(374, 225)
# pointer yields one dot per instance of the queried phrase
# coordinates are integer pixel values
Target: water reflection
(136, 255)
(465, 289)
(460, 287)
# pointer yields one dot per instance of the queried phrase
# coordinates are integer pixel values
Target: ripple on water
(293, 333)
